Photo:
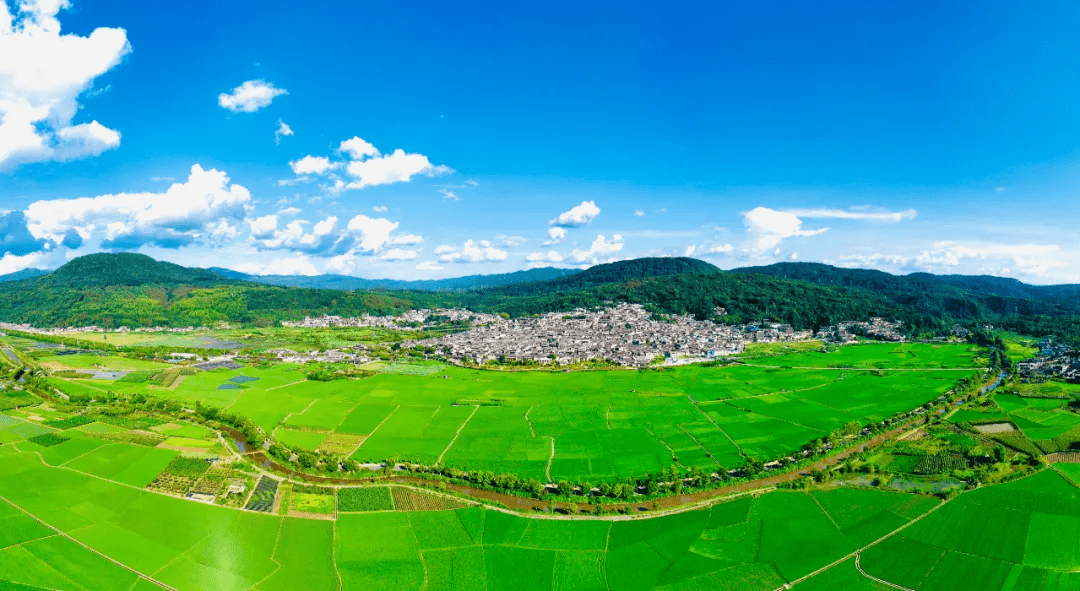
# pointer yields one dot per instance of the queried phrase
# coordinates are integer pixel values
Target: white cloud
(449, 195)
(399, 254)
(471, 252)
(599, 250)
(639, 213)
(766, 228)
(689, 250)
(42, 76)
(313, 165)
(372, 233)
(407, 239)
(556, 235)
(397, 167)
(511, 241)
(11, 263)
(181, 215)
(365, 167)
(851, 214)
(283, 130)
(579, 215)
(717, 249)
(1035, 260)
(429, 266)
(250, 96)
(299, 264)
(379, 209)
(542, 259)
(289, 211)
(358, 148)
(263, 226)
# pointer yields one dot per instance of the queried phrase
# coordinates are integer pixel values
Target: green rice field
(71, 529)
(584, 425)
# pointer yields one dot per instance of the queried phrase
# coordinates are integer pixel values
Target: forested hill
(616, 272)
(125, 289)
(124, 269)
(114, 290)
(346, 282)
(959, 295)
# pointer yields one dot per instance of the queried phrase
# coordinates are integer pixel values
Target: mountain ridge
(350, 283)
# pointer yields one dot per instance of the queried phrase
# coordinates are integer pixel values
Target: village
(622, 334)
(1055, 360)
(411, 320)
(630, 335)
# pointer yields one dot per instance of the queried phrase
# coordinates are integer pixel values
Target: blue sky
(908, 137)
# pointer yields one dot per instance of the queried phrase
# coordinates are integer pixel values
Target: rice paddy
(108, 506)
(1020, 532)
(594, 425)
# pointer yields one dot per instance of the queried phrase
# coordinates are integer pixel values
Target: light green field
(1027, 530)
(870, 356)
(1039, 411)
(103, 362)
(749, 543)
(605, 425)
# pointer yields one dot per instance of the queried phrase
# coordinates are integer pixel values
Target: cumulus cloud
(10, 263)
(766, 228)
(396, 167)
(181, 215)
(556, 235)
(365, 166)
(639, 213)
(41, 78)
(250, 96)
(294, 235)
(449, 195)
(543, 259)
(576, 216)
(283, 130)
(471, 252)
(371, 234)
(357, 148)
(379, 208)
(429, 266)
(600, 250)
(313, 165)
(1035, 260)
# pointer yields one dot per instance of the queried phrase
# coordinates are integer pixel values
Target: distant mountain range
(136, 290)
(24, 274)
(348, 283)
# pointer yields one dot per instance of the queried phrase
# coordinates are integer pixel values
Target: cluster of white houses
(1055, 360)
(410, 320)
(626, 334)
